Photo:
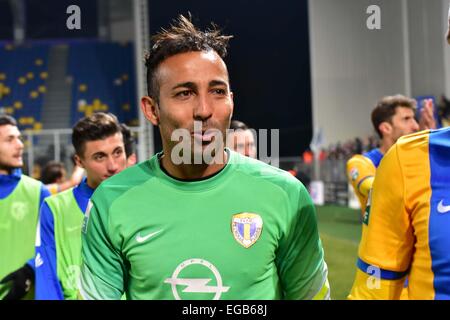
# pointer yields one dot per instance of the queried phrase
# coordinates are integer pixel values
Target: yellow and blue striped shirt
(407, 231)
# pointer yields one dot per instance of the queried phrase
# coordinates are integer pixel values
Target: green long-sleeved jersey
(248, 232)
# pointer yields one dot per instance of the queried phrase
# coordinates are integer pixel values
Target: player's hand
(19, 282)
(427, 120)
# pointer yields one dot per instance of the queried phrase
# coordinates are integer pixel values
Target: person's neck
(192, 171)
(385, 145)
(91, 184)
(5, 171)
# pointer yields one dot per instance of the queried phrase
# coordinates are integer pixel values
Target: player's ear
(385, 128)
(78, 161)
(150, 109)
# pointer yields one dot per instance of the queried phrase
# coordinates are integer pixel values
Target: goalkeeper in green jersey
(198, 221)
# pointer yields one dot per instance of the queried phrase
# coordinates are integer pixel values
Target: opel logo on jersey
(196, 285)
(246, 228)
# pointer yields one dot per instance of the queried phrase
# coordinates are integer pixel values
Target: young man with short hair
(393, 117)
(20, 199)
(99, 149)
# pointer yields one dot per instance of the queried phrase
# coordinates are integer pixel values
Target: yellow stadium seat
(4, 90)
(134, 122)
(82, 87)
(23, 120)
(37, 126)
(89, 109)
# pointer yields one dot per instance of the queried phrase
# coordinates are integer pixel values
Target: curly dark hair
(181, 37)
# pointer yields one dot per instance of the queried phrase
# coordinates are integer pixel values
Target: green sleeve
(102, 269)
(300, 258)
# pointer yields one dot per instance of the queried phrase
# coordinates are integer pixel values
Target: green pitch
(340, 231)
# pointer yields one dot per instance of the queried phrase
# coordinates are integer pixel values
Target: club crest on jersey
(19, 210)
(354, 174)
(246, 228)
